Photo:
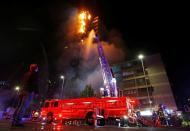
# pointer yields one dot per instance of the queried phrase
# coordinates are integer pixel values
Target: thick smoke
(79, 60)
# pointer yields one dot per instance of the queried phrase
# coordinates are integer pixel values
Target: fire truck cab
(90, 110)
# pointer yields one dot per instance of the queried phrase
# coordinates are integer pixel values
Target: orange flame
(83, 17)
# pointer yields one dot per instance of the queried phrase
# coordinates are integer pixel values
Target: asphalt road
(36, 126)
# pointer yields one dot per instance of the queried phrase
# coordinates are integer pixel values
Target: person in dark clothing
(154, 118)
(26, 95)
(161, 115)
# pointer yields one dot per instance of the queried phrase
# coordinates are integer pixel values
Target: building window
(140, 81)
(142, 92)
(126, 65)
(145, 102)
(129, 83)
(128, 74)
(151, 90)
(130, 92)
(139, 72)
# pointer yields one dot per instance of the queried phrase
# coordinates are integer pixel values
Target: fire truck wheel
(49, 117)
(89, 119)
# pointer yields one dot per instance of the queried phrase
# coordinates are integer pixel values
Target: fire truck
(87, 110)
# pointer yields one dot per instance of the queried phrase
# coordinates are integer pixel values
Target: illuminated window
(140, 81)
(130, 83)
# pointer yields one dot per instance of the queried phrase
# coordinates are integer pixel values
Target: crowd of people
(159, 118)
(163, 118)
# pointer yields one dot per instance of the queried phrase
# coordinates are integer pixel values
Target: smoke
(79, 60)
(5, 99)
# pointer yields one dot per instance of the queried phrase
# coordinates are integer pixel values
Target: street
(31, 126)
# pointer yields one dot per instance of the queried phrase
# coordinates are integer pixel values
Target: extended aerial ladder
(110, 88)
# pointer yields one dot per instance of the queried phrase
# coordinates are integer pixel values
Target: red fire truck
(89, 110)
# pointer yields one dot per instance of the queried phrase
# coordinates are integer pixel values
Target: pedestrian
(154, 118)
(29, 89)
(139, 119)
(161, 115)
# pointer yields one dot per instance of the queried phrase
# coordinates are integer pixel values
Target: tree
(87, 92)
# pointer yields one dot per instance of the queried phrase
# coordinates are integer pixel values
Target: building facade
(146, 80)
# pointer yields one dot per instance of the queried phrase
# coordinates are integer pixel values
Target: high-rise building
(145, 79)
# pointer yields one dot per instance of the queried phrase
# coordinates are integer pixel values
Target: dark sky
(151, 27)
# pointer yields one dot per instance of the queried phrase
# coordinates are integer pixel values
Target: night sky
(26, 28)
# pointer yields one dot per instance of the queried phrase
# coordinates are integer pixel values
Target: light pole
(16, 94)
(61, 93)
(141, 57)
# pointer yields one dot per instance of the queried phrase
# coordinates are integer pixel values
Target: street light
(61, 93)
(16, 94)
(17, 88)
(141, 57)
(62, 77)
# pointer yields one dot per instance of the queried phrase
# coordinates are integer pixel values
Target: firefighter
(28, 92)
(133, 119)
(161, 115)
(139, 118)
(154, 118)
